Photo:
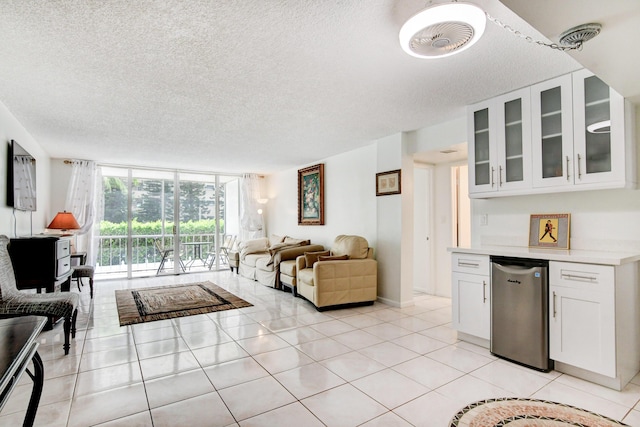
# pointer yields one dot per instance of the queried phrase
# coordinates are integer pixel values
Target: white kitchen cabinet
(514, 140)
(482, 147)
(500, 131)
(560, 142)
(471, 300)
(601, 143)
(582, 316)
(552, 132)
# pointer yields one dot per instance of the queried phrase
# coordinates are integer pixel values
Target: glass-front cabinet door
(552, 132)
(514, 140)
(482, 147)
(599, 130)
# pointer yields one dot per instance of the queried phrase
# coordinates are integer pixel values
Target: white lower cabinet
(582, 326)
(594, 314)
(470, 295)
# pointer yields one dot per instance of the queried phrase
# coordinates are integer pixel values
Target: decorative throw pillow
(311, 258)
(274, 238)
(333, 258)
(253, 246)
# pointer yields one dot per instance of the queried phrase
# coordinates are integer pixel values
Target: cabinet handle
(554, 304)
(492, 172)
(484, 291)
(577, 276)
(568, 168)
(467, 264)
(500, 176)
(579, 170)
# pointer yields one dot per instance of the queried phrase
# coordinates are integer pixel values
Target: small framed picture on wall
(388, 183)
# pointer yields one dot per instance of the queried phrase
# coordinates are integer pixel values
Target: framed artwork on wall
(388, 183)
(311, 195)
(549, 230)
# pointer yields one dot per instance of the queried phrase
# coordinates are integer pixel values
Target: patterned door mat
(516, 412)
(167, 302)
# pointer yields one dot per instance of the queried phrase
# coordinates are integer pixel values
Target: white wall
(390, 223)
(24, 222)
(350, 199)
(600, 220)
(60, 177)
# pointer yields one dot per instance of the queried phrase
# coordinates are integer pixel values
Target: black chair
(82, 270)
(54, 305)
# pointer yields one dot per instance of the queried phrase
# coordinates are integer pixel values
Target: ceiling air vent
(576, 36)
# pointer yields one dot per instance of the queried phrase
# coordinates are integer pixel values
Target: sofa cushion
(310, 258)
(355, 246)
(251, 259)
(333, 258)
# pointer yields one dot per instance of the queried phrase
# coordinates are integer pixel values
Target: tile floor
(281, 363)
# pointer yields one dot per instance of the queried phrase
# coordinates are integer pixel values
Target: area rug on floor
(515, 412)
(167, 302)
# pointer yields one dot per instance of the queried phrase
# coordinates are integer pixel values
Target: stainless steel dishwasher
(520, 311)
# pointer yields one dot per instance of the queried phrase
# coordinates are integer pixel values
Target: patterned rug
(515, 412)
(167, 302)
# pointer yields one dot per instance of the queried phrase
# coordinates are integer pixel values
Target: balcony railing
(112, 252)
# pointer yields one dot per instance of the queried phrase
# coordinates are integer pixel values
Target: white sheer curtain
(81, 201)
(251, 223)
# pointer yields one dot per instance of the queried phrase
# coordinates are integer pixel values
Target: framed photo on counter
(549, 230)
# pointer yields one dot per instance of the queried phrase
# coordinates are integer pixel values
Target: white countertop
(589, 257)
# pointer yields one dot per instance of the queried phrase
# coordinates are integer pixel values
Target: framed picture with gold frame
(388, 183)
(549, 230)
(311, 195)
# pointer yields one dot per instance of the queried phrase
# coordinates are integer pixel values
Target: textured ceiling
(241, 86)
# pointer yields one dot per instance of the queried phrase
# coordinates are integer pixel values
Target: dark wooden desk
(41, 262)
(18, 346)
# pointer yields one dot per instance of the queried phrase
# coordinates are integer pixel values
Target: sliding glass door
(164, 222)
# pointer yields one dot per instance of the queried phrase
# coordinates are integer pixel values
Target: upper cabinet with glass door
(604, 153)
(482, 148)
(500, 152)
(552, 132)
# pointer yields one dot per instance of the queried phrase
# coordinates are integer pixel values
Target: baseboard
(394, 303)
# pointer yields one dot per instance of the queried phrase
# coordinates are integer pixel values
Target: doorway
(441, 212)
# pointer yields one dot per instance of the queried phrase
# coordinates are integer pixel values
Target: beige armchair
(332, 283)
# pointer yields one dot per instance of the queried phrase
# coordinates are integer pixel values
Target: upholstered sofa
(260, 259)
(348, 276)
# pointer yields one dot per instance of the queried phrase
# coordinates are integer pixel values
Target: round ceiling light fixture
(442, 30)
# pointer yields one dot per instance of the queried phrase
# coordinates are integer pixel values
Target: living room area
(199, 122)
